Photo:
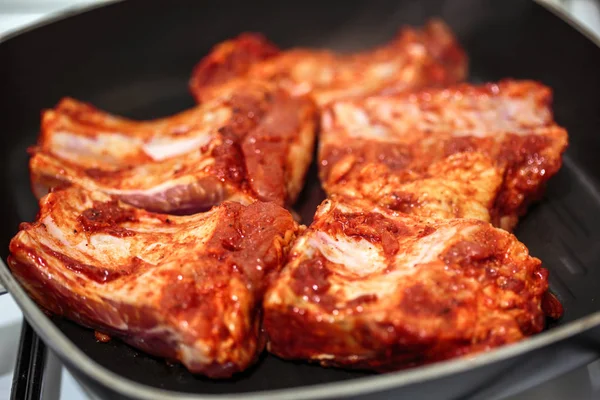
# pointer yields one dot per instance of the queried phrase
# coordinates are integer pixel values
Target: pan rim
(75, 358)
(65, 13)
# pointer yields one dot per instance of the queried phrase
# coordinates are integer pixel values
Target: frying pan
(134, 58)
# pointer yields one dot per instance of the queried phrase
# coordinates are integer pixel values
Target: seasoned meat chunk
(188, 288)
(251, 141)
(376, 289)
(374, 147)
(413, 58)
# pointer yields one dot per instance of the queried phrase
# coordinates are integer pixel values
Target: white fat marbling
(161, 148)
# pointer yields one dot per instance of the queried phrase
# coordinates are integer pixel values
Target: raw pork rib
(375, 289)
(414, 58)
(393, 149)
(186, 288)
(252, 140)
(464, 185)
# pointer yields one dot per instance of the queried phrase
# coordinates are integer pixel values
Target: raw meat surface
(385, 147)
(414, 58)
(376, 289)
(251, 141)
(188, 288)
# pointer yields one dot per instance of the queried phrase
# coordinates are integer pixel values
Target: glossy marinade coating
(380, 147)
(184, 288)
(376, 289)
(251, 141)
(423, 57)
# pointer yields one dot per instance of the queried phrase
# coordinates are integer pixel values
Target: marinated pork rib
(464, 185)
(384, 147)
(414, 58)
(252, 140)
(372, 288)
(186, 288)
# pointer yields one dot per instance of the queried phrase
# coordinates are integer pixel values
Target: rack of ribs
(430, 56)
(395, 150)
(250, 141)
(371, 288)
(188, 288)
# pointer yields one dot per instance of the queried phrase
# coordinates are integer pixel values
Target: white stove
(58, 382)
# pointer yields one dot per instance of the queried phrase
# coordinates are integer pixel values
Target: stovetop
(582, 383)
(58, 382)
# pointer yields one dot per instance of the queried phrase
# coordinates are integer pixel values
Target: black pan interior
(134, 58)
